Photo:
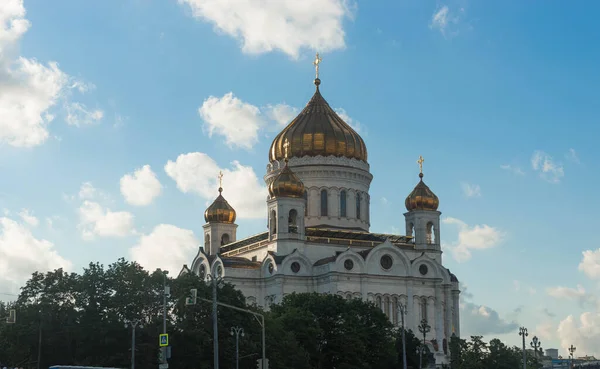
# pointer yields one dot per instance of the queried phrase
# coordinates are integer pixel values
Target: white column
(455, 304)
(431, 318)
(448, 317)
(439, 325)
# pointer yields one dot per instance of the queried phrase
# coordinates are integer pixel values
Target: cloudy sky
(116, 116)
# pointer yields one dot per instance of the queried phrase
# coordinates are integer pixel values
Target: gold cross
(420, 162)
(316, 64)
(286, 147)
(220, 179)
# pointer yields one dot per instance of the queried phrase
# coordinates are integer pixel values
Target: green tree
(413, 343)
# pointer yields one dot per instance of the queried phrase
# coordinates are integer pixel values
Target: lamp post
(423, 328)
(535, 343)
(571, 352)
(133, 324)
(523, 333)
(237, 332)
(166, 293)
(402, 311)
(215, 280)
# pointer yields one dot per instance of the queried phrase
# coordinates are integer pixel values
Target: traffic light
(259, 364)
(266, 364)
(191, 300)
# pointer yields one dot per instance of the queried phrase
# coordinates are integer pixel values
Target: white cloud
(590, 264)
(29, 218)
(482, 320)
(444, 20)
(87, 191)
(21, 254)
(546, 331)
(197, 172)
(282, 114)
(510, 168)
(141, 187)
(572, 156)
(28, 89)
(232, 118)
(285, 25)
(351, 122)
(546, 167)
(471, 190)
(96, 220)
(167, 247)
(477, 237)
(583, 334)
(579, 294)
(79, 115)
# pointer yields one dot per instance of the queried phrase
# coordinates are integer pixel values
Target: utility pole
(423, 328)
(215, 281)
(523, 333)
(166, 293)
(402, 310)
(237, 331)
(133, 323)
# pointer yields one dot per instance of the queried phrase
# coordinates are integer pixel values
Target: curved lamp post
(133, 324)
(424, 328)
(237, 332)
(535, 343)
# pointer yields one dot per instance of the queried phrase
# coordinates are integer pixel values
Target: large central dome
(318, 130)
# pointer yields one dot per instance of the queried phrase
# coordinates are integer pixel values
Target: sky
(116, 116)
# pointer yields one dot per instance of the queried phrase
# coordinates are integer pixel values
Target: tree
(413, 343)
(337, 333)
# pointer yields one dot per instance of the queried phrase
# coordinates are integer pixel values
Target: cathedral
(318, 238)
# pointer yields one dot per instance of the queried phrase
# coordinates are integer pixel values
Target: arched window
(305, 203)
(358, 206)
(424, 308)
(224, 239)
(292, 221)
(273, 222)
(323, 203)
(343, 203)
(430, 233)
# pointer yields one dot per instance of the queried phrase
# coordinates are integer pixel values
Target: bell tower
(220, 228)
(423, 219)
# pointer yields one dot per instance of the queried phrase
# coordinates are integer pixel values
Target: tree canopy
(79, 319)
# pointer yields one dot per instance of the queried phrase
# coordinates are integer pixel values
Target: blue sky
(499, 97)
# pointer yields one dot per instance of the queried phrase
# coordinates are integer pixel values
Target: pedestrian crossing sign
(164, 340)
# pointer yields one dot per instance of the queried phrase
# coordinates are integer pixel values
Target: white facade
(321, 243)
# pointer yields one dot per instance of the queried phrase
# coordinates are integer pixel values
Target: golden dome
(422, 198)
(318, 130)
(219, 211)
(286, 184)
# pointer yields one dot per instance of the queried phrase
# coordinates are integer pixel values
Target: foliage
(412, 353)
(79, 319)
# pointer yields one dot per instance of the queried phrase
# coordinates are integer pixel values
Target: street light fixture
(423, 328)
(536, 343)
(133, 324)
(523, 333)
(403, 310)
(571, 352)
(237, 332)
(214, 280)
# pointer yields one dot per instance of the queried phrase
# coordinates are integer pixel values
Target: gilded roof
(421, 198)
(318, 130)
(220, 211)
(286, 184)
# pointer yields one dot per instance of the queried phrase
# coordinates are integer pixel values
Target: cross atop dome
(316, 64)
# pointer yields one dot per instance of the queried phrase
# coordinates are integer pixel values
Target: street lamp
(535, 343)
(423, 328)
(523, 333)
(166, 293)
(571, 352)
(133, 324)
(402, 310)
(237, 332)
(215, 280)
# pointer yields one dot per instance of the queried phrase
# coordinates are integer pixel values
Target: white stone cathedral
(318, 237)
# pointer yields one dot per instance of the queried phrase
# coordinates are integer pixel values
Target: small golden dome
(318, 130)
(220, 211)
(422, 198)
(286, 184)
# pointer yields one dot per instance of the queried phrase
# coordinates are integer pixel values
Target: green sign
(163, 340)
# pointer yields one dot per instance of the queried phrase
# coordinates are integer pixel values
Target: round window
(295, 267)
(271, 268)
(348, 264)
(386, 262)
(423, 269)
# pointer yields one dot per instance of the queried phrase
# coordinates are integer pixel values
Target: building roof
(422, 198)
(318, 130)
(220, 211)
